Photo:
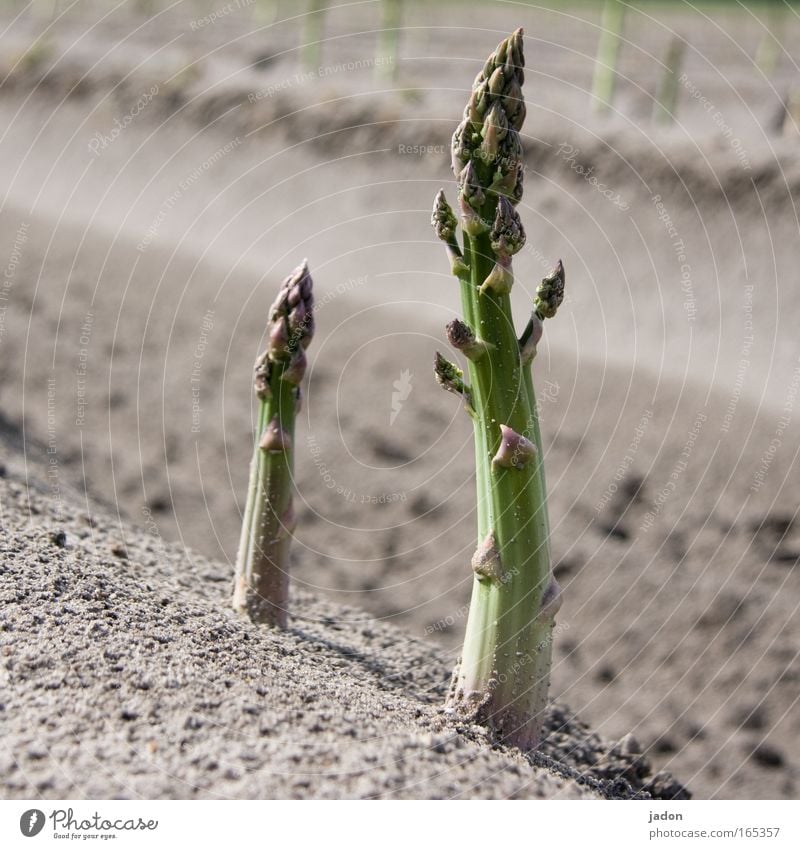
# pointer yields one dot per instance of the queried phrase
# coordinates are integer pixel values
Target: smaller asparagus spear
(261, 589)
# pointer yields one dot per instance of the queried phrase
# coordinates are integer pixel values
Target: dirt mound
(126, 676)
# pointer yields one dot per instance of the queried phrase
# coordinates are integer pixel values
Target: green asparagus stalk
(502, 677)
(267, 11)
(389, 48)
(314, 31)
(261, 589)
(605, 66)
(667, 96)
(790, 117)
(768, 52)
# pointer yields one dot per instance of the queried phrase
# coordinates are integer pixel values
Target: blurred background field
(163, 165)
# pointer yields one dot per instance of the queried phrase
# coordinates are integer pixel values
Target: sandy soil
(125, 675)
(141, 275)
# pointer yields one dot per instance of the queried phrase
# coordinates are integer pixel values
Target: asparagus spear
(667, 96)
(262, 566)
(314, 32)
(501, 679)
(605, 66)
(389, 39)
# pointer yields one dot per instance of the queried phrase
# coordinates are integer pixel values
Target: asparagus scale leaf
(261, 589)
(502, 677)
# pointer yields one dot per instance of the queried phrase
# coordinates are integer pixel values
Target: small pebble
(59, 538)
(767, 756)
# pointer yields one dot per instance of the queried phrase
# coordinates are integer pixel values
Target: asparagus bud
(500, 279)
(278, 338)
(461, 337)
(459, 147)
(486, 562)
(472, 192)
(549, 297)
(494, 130)
(444, 224)
(550, 293)
(450, 377)
(295, 371)
(275, 439)
(261, 588)
(515, 451)
(508, 234)
(262, 374)
(442, 218)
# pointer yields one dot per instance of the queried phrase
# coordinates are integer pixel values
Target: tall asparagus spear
(262, 566)
(502, 677)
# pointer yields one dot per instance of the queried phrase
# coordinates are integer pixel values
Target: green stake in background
(605, 67)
